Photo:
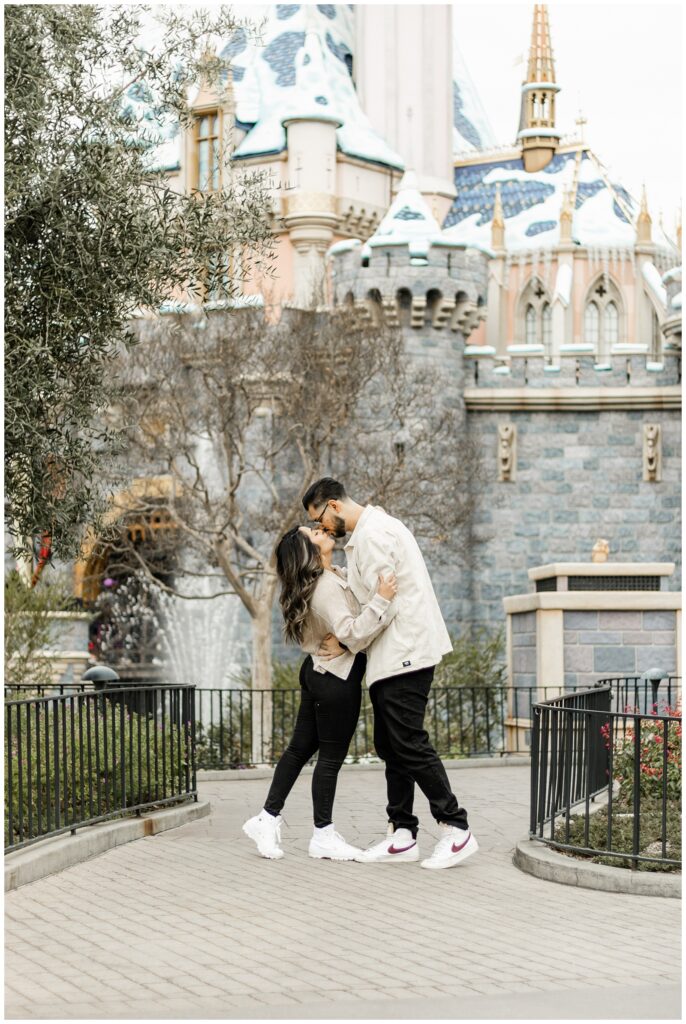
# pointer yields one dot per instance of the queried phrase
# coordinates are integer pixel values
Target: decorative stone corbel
(443, 312)
(652, 452)
(507, 452)
(390, 312)
(418, 308)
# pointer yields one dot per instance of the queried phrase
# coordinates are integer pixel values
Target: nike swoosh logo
(456, 849)
(392, 849)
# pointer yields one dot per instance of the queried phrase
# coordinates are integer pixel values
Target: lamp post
(655, 677)
(100, 676)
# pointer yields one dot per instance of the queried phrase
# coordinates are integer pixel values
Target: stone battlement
(485, 369)
(394, 284)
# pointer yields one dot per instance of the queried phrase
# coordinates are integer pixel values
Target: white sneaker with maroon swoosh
(398, 846)
(451, 849)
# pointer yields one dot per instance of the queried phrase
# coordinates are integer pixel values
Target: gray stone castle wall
(617, 643)
(579, 471)
(579, 477)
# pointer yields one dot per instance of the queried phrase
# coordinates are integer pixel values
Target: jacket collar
(368, 510)
(338, 579)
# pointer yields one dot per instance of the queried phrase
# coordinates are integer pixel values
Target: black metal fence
(607, 783)
(239, 727)
(84, 757)
(638, 693)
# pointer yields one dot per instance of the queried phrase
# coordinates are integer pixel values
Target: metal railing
(83, 757)
(640, 693)
(239, 727)
(627, 764)
(14, 690)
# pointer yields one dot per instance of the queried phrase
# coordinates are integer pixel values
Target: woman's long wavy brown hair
(298, 566)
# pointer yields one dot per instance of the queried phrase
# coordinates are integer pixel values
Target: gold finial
(644, 223)
(541, 66)
(601, 550)
(498, 207)
(498, 222)
(580, 122)
(566, 216)
(644, 199)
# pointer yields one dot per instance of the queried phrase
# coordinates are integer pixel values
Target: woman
(316, 601)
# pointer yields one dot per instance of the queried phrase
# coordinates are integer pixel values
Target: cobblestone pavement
(193, 924)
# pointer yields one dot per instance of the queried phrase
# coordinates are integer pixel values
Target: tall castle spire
(644, 223)
(537, 132)
(498, 222)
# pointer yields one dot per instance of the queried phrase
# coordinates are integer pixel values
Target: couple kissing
(378, 617)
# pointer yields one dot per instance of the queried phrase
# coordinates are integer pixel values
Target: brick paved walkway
(193, 924)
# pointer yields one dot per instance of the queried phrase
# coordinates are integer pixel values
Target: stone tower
(410, 276)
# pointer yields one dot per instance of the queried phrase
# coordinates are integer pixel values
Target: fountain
(194, 638)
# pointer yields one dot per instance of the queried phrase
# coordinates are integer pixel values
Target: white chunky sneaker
(327, 844)
(396, 848)
(265, 830)
(451, 849)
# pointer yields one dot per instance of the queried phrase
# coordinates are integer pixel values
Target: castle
(542, 288)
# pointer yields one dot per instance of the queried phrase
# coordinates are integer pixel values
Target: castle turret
(410, 275)
(644, 223)
(537, 132)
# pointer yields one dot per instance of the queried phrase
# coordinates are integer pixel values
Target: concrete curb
(536, 859)
(52, 855)
(247, 774)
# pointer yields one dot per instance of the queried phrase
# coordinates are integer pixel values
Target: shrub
(27, 629)
(59, 762)
(464, 713)
(467, 716)
(651, 766)
(224, 727)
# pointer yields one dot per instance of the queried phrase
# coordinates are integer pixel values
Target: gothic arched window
(547, 323)
(603, 317)
(534, 311)
(531, 326)
(592, 324)
(611, 325)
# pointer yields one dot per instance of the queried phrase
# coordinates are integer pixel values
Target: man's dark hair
(321, 491)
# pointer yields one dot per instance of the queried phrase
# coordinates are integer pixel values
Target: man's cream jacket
(415, 636)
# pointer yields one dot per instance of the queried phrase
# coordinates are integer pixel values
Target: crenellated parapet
(528, 381)
(406, 285)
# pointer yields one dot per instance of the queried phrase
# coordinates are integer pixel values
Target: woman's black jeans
(328, 713)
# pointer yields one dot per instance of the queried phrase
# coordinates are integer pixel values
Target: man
(400, 669)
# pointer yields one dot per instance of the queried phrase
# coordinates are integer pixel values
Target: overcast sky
(619, 63)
